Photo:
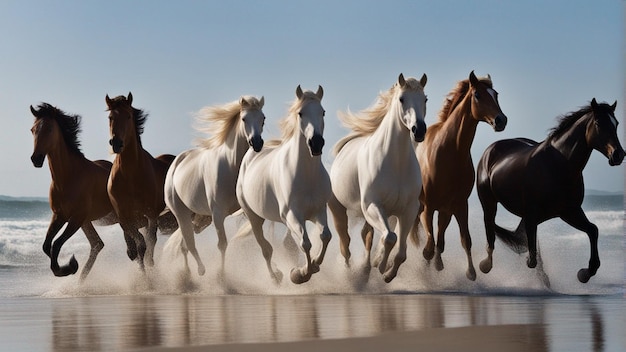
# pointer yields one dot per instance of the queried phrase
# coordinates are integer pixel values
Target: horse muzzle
(499, 123)
(316, 143)
(419, 131)
(37, 160)
(256, 143)
(616, 157)
(117, 145)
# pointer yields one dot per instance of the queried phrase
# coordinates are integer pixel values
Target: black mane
(68, 124)
(565, 122)
(139, 115)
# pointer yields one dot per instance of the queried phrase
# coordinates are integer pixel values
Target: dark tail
(516, 240)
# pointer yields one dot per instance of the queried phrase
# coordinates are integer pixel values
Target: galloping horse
(78, 192)
(541, 181)
(375, 172)
(287, 182)
(136, 182)
(446, 163)
(201, 182)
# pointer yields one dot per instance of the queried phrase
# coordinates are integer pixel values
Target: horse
(136, 182)
(201, 182)
(538, 181)
(375, 173)
(446, 163)
(287, 182)
(78, 194)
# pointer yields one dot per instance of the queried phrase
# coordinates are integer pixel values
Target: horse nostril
(413, 129)
(111, 142)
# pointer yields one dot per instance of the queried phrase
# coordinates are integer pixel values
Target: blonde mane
(219, 121)
(289, 125)
(456, 95)
(366, 122)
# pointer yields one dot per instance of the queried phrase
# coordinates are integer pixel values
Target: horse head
(602, 133)
(45, 135)
(121, 120)
(311, 117)
(485, 105)
(412, 105)
(252, 119)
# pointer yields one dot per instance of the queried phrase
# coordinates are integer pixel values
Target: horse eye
(324, 113)
(401, 100)
(476, 95)
(300, 114)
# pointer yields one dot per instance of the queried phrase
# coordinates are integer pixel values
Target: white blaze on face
(613, 120)
(493, 94)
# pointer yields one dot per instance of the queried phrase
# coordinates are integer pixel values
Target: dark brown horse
(446, 162)
(541, 181)
(136, 182)
(78, 191)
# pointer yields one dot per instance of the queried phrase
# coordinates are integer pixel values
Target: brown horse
(136, 182)
(446, 163)
(78, 191)
(541, 181)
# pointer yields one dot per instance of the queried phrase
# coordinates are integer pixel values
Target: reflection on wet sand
(100, 323)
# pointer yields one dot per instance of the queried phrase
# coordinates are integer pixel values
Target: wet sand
(312, 322)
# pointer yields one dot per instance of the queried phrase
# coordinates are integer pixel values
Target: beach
(119, 308)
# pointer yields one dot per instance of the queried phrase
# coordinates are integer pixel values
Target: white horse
(375, 173)
(200, 184)
(287, 182)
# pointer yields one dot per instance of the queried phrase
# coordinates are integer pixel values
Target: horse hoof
(428, 253)
(201, 270)
(297, 277)
(583, 275)
(315, 268)
(471, 274)
(73, 265)
(485, 266)
(278, 276)
(531, 262)
(438, 264)
(132, 254)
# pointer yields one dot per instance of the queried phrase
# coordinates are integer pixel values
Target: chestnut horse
(541, 181)
(78, 192)
(136, 182)
(446, 163)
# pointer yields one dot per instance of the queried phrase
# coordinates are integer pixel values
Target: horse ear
(401, 80)
(594, 103)
(108, 100)
(34, 112)
(262, 101)
(423, 80)
(472, 78)
(489, 76)
(130, 98)
(243, 102)
(320, 92)
(614, 106)
(299, 92)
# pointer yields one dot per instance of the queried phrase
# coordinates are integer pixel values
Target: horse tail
(244, 230)
(516, 240)
(173, 245)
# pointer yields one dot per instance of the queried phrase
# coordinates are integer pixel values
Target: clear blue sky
(546, 58)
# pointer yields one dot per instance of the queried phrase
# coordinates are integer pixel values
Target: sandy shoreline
(509, 338)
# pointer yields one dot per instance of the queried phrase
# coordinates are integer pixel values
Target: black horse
(541, 181)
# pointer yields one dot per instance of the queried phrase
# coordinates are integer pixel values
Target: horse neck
(572, 144)
(62, 163)
(298, 154)
(235, 147)
(392, 136)
(461, 126)
(131, 153)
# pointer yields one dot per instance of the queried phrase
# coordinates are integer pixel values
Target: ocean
(120, 308)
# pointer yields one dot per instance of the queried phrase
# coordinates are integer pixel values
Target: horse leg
(367, 234)
(189, 241)
(136, 245)
(443, 220)
(340, 218)
(466, 240)
(579, 221)
(531, 235)
(222, 241)
(150, 238)
(490, 208)
(427, 220)
(296, 225)
(56, 223)
(266, 248)
(404, 225)
(325, 236)
(375, 216)
(72, 266)
(96, 246)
